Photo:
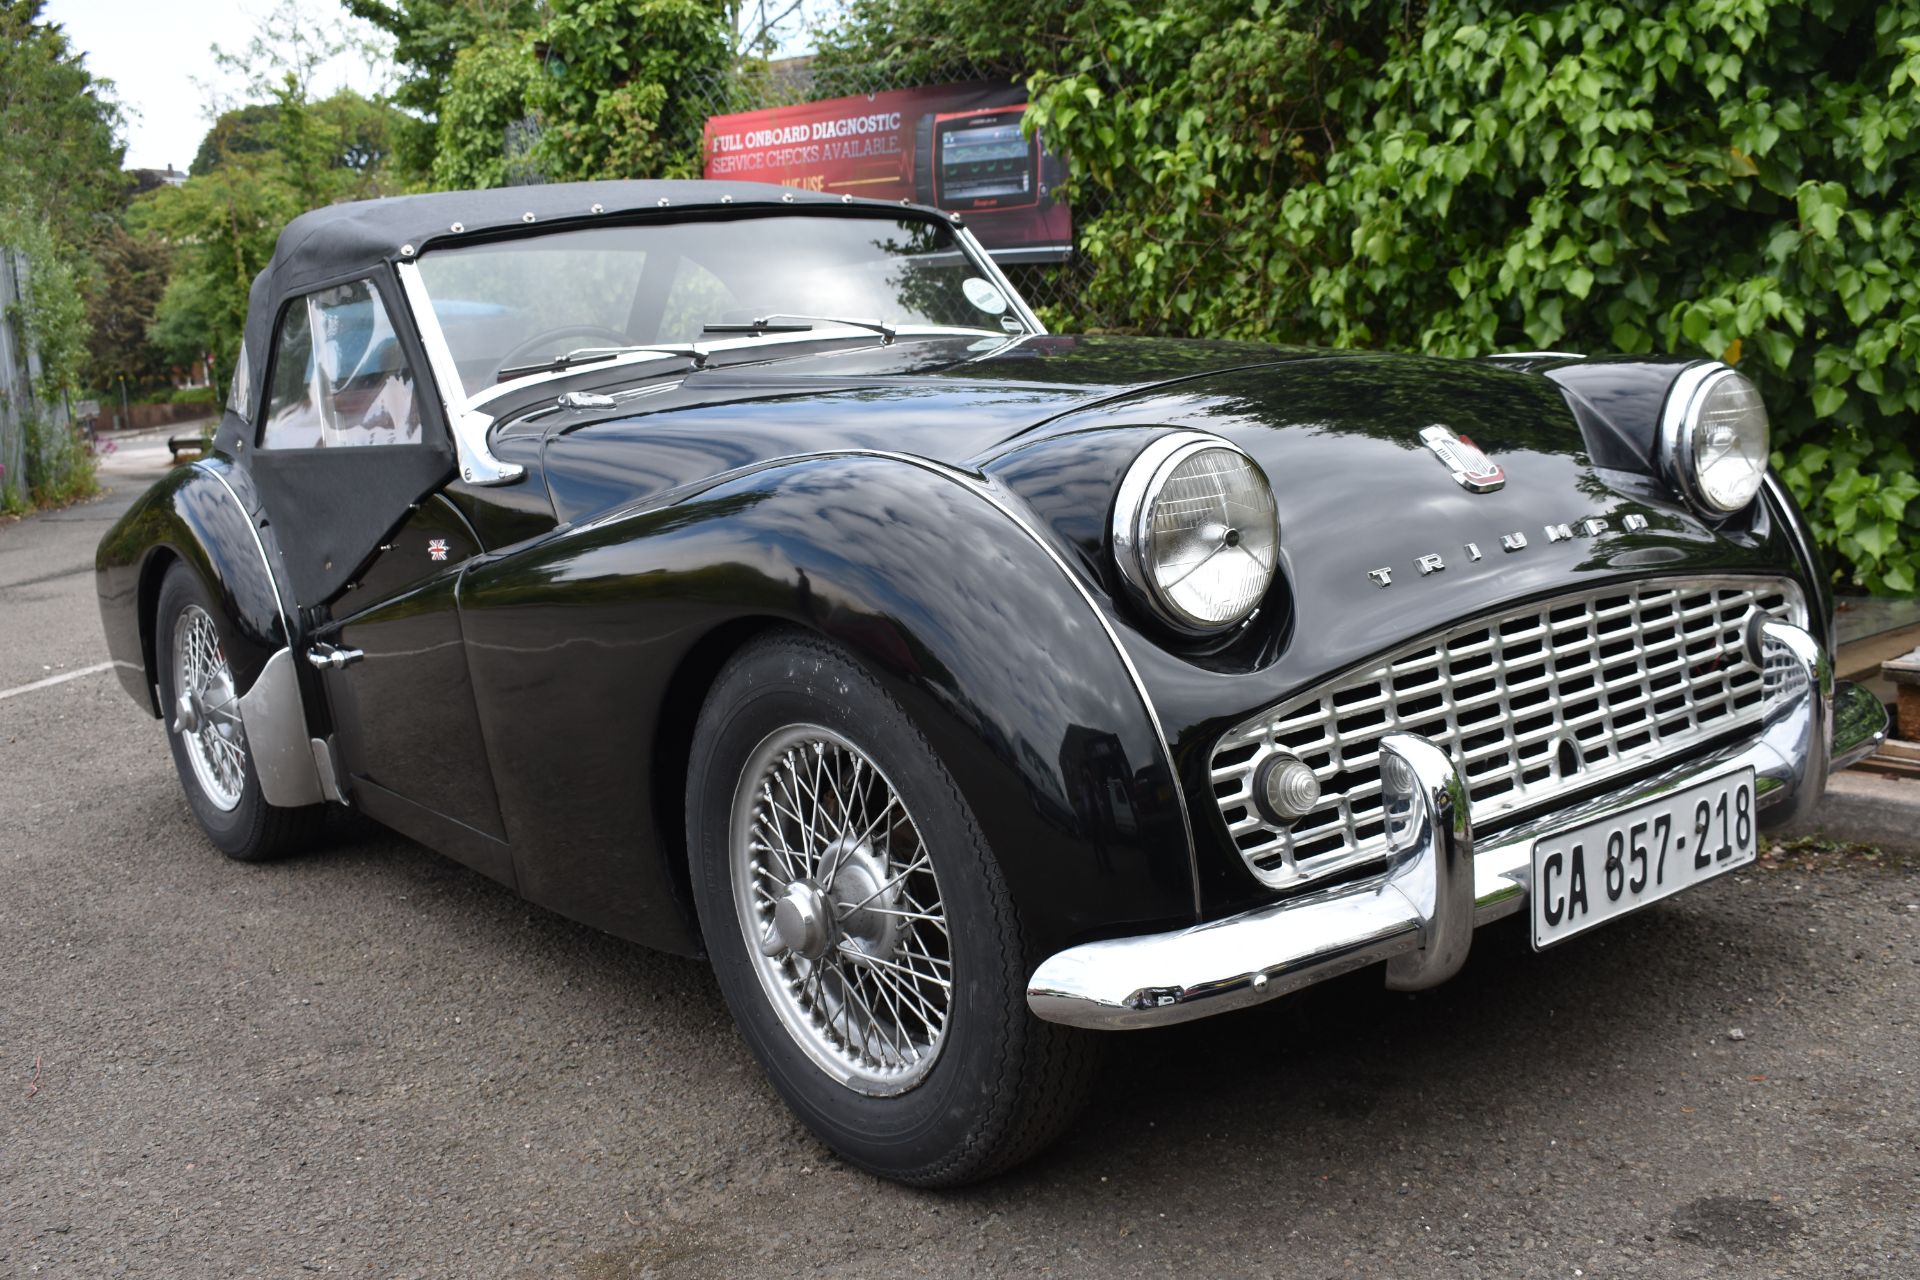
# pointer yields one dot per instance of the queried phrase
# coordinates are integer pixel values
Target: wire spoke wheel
(836, 895)
(206, 712)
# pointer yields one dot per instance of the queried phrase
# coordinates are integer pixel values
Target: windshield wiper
(594, 355)
(801, 324)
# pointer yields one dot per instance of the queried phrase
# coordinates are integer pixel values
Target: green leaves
(631, 103)
(53, 313)
(1821, 204)
(486, 93)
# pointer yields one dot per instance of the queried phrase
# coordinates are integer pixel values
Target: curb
(1864, 808)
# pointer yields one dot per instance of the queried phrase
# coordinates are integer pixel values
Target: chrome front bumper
(1419, 915)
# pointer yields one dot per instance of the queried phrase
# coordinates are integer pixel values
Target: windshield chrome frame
(477, 462)
(983, 262)
(470, 427)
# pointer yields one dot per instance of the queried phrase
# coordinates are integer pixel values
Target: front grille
(1572, 691)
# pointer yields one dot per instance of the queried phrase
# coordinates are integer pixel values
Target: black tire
(1003, 1085)
(252, 830)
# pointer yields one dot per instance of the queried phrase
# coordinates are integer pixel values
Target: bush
(193, 395)
(60, 464)
(1738, 179)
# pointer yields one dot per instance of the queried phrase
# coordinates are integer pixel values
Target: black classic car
(747, 572)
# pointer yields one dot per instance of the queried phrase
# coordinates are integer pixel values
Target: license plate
(1613, 865)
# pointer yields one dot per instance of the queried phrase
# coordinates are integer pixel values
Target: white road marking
(93, 670)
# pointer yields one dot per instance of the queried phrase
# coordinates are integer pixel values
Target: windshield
(516, 305)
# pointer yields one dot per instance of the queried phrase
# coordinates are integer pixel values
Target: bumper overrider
(1420, 913)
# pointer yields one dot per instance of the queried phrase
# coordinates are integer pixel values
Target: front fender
(929, 578)
(197, 514)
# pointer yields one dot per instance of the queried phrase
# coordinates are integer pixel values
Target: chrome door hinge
(328, 657)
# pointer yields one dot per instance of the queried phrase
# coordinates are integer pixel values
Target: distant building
(145, 180)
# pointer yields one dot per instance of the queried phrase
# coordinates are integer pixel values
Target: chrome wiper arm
(770, 324)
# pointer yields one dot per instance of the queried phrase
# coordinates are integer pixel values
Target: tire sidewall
(778, 684)
(233, 831)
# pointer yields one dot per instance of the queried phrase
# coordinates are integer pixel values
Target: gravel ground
(371, 1061)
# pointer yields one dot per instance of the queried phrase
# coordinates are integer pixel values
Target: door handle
(326, 657)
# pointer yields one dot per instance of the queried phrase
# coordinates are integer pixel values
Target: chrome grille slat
(1632, 673)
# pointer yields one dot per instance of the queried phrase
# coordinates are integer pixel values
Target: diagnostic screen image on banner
(957, 147)
(983, 162)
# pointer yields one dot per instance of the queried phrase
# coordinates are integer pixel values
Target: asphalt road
(370, 1061)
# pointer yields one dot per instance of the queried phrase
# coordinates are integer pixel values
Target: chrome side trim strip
(276, 725)
(1157, 979)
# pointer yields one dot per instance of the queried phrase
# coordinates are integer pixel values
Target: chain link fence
(20, 408)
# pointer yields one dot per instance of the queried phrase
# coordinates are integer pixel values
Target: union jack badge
(437, 548)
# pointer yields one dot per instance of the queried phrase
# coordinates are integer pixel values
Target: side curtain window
(240, 395)
(340, 378)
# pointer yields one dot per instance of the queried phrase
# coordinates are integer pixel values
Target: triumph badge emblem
(1476, 472)
(437, 548)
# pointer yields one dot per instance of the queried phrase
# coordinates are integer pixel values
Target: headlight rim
(1146, 476)
(1689, 390)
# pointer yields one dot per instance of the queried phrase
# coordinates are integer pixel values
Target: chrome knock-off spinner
(207, 709)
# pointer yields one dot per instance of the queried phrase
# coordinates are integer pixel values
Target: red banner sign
(955, 146)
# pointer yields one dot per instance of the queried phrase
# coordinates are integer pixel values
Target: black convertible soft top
(346, 239)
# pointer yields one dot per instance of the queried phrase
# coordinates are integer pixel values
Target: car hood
(952, 400)
(1378, 539)
(1371, 517)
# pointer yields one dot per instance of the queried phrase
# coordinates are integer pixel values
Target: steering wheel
(532, 345)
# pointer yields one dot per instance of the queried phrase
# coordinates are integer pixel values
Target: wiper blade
(799, 324)
(755, 326)
(595, 355)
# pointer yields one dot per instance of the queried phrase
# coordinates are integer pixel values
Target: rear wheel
(200, 707)
(860, 929)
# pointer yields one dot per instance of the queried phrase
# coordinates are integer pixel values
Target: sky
(155, 50)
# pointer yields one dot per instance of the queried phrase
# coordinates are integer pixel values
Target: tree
(428, 37)
(236, 131)
(625, 86)
(221, 227)
(122, 298)
(266, 161)
(362, 130)
(62, 154)
(909, 42)
(59, 176)
(491, 83)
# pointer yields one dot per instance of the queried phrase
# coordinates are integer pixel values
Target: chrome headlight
(1195, 531)
(1716, 438)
